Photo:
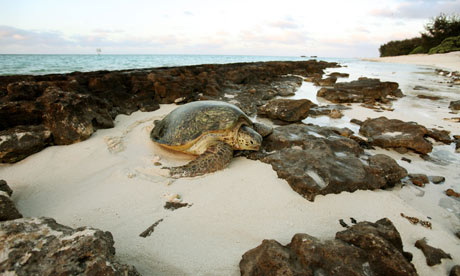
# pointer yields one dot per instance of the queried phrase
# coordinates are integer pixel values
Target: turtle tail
(216, 157)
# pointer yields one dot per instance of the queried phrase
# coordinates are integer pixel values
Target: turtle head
(248, 139)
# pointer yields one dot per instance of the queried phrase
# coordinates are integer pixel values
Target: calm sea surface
(49, 64)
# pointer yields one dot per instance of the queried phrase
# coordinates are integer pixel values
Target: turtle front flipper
(215, 158)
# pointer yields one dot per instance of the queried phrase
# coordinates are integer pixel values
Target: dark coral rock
(318, 160)
(19, 142)
(286, 109)
(433, 255)
(363, 249)
(455, 271)
(419, 179)
(361, 90)
(393, 133)
(5, 188)
(8, 210)
(72, 106)
(62, 250)
(454, 105)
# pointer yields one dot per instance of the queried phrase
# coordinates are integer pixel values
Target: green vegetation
(447, 45)
(442, 35)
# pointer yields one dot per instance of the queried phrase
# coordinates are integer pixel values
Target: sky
(326, 28)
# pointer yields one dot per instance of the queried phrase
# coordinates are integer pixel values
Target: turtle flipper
(215, 158)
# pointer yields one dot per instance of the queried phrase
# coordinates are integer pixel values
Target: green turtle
(209, 129)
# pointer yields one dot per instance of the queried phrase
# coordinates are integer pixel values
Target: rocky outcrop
(454, 105)
(322, 160)
(400, 135)
(363, 90)
(286, 109)
(455, 271)
(419, 179)
(40, 246)
(8, 210)
(38, 111)
(433, 255)
(363, 249)
(334, 111)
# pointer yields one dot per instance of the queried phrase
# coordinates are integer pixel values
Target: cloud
(14, 40)
(418, 9)
(284, 24)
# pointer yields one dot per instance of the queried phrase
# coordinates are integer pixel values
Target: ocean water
(51, 64)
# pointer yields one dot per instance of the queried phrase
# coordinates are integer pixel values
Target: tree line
(441, 35)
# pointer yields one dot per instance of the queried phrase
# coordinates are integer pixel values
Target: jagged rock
(361, 90)
(318, 160)
(338, 75)
(386, 133)
(286, 109)
(40, 246)
(330, 81)
(457, 142)
(455, 271)
(454, 105)
(8, 210)
(5, 188)
(363, 249)
(419, 179)
(428, 97)
(437, 179)
(433, 255)
(333, 111)
(440, 135)
(19, 142)
(69, 107)
(73, 117)
(452, 193)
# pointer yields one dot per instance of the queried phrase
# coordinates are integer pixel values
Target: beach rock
(452, 193)
(437, 179)
(333, 111)
(21, 141)
(454, 105)
(5, 188)
(433, 255)
(457, 142)
(393, 133)
(8, 210)
(428, 97)
(455, 271)
(338, 75)
(67, 108)
(319, 160)
(40, 246)
(419, 179)
(73, 117)
(363, 249)
(330, 81)
(359, 91)
(286, 109)
(442, 136)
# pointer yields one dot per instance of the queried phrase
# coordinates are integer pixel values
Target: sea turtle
(209, 129)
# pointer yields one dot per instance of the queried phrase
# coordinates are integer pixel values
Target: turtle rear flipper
(215, 158)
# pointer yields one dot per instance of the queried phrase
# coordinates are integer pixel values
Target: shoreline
(448, 61)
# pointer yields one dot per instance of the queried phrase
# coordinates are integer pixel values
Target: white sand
(110, 182)
(449, 61)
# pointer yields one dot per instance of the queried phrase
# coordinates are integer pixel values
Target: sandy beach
(449, 61)
(113, 181)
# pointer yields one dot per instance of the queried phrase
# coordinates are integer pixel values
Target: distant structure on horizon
(98, 51)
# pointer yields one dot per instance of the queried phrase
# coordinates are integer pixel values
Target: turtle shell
(185, 124)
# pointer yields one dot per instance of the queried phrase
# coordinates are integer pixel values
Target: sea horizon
(42, 64)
